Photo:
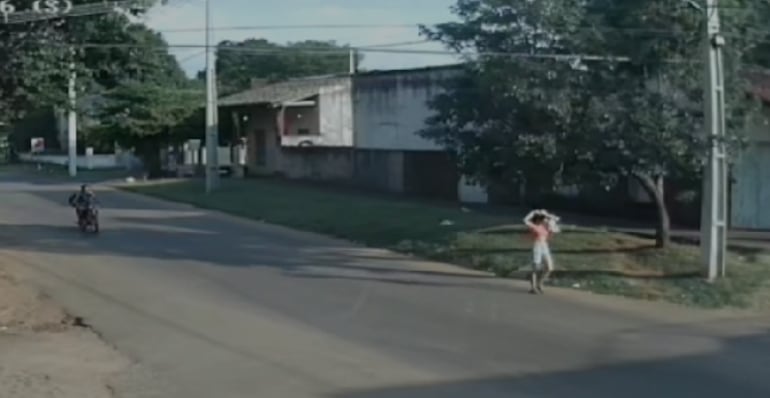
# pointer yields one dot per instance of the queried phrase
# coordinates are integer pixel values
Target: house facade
(359, 129)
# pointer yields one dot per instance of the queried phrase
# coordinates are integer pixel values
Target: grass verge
(588, 259)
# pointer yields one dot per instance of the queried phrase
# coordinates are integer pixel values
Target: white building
(360, 129)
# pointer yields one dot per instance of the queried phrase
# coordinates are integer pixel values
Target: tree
(31, 69)
(142, 56)
(238, 63)
(35, 57)
(145, 115)
(632, 111)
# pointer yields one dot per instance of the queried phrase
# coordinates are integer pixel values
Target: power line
(290, 27)
(191, 57)
(345, 51)
(639, 30)
(395, 26)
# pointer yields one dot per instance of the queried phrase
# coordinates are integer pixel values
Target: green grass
(587, 259)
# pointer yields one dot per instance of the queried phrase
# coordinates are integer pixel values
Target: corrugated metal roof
(276, 93)
(298, 89)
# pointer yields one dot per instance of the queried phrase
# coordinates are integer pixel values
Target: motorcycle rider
(82, 200)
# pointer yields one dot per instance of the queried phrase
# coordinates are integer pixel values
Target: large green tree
(145, 116)
(109, 51)
(238, 63)
(527, 109)
(35, 56)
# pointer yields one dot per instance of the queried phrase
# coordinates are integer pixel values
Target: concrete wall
(317, 163)
(85, 162)
(750, 201)
(336, 114)
(379, 170)
(390, 108)
(418, 173)
(750, 204)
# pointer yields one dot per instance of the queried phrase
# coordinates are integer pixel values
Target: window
(303, 132)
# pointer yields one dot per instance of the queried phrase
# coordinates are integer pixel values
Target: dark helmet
(84, 188)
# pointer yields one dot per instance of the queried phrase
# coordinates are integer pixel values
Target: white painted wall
(335, 104)
(224, 156)
(471, 193)
(85, 162)
(390, 108)
(330, 122)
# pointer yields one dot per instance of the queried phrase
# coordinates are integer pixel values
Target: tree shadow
(429, 307)
(138, 228)
(201, 239)
(738, 368)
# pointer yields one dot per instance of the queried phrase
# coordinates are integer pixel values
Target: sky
(190, 15)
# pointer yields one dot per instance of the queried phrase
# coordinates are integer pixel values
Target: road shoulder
(46, 352)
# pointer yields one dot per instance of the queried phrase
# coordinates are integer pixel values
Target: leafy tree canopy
(633, 108)
(238, 63)
(35, 57)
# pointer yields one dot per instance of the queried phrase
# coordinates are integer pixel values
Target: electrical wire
(346, 50)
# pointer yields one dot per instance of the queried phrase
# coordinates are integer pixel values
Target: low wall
(420, 173)
(317, 163)
(93, 162)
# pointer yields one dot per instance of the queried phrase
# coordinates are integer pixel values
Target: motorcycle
(89, 220)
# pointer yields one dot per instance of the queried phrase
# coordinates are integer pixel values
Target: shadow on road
(738, 369)
(161, 231)
(486, 326)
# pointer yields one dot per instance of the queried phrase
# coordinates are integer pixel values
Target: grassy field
(587, 259)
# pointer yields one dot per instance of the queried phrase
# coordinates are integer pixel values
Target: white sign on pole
(37, 145)
(90, 158)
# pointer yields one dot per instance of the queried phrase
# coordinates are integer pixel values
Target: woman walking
(542, 225)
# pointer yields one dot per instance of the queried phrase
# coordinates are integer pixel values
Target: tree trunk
(149, 151)
(654, 188)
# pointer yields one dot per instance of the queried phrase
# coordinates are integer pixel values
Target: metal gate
(751, 189)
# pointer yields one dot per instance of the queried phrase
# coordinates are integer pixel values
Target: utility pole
(714, 202)
(72, 118)
(212, 130)
(42, 11)
(353, 61)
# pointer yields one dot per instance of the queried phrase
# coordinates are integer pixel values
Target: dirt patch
(45, 352)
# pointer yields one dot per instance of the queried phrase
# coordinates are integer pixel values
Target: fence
(88, 162)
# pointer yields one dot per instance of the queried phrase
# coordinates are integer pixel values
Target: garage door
(751, 189)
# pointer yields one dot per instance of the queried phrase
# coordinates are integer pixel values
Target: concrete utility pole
(714, 202)
(353, 61)
(212, 128)
(72, 119)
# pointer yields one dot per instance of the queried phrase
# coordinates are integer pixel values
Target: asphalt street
(212, 306)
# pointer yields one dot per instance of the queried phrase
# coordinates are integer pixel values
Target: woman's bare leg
(546, 273)
(533, 280)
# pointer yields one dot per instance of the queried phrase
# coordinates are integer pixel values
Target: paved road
(212, 306)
